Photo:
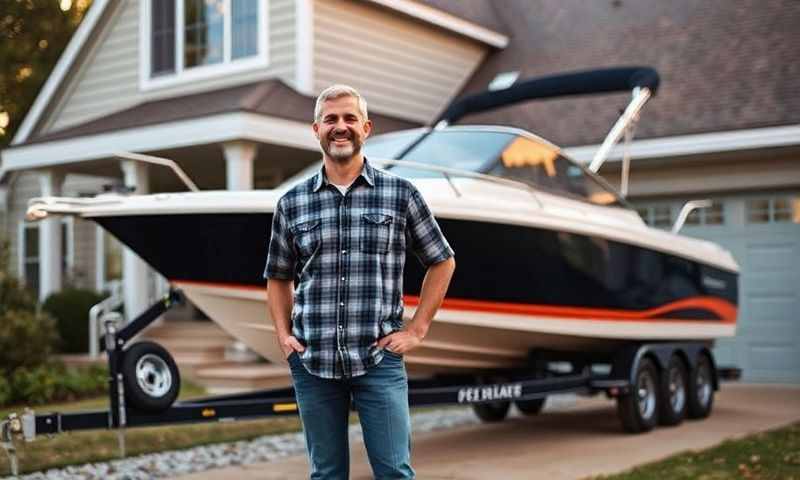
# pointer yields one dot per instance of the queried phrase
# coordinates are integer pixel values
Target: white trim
(75, 46)
(207, 130)
(447, 21)
(69, 246)
(194, 74)
(304, 41)
(179, 45)
(99, 259)
(227, 36)
(21, 248)
(696, 144)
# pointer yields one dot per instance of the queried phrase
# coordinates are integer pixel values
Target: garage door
(763, 233)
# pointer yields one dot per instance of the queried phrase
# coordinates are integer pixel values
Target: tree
(33, 34)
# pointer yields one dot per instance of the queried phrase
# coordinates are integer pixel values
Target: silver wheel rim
(153, 375)
(703, 384)
(677, 390)
(646, 394)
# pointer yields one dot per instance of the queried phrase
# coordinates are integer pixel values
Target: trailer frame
(501, 386)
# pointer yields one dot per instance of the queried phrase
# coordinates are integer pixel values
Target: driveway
(582, 440)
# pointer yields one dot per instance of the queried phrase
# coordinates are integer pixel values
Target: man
(342, 236)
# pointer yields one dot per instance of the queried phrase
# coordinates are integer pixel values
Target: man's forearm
(280, 296)
(434, 288)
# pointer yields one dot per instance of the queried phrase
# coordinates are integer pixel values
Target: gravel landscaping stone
(263, 449)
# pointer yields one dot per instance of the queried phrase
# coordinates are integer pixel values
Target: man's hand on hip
(400, 342)
(290, 344)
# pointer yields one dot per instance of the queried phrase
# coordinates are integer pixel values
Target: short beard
(341, 154)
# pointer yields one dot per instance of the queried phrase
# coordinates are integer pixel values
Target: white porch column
(134, 270)
(239, 156)
(50, 248)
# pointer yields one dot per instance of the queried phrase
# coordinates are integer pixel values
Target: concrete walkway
(582, 441)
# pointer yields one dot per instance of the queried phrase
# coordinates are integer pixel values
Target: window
(183, 40)
(713, 215)
(29, 255)
(244, 28)
(203, 26)
(162, 40)
(29, 252)
(778, 209)
(658, 216)
(663, 215)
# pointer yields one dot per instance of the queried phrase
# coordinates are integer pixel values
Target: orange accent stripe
(725, 310)
(722, 308)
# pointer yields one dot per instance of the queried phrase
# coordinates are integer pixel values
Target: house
(226, 89)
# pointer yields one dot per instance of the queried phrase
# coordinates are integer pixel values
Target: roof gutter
(447, 21)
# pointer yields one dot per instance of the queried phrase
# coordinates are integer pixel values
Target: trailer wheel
(530, 407)
(492, 411)
(638, 410)
(151, 378)
(673, 392)
(701, 388)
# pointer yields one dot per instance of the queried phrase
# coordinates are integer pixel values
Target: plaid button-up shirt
(346, 254)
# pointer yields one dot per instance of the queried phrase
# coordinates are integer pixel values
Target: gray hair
(337, 91)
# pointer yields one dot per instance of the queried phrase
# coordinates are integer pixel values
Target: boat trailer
(133, 402)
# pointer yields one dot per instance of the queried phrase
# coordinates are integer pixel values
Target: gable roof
(723, 65)
(267, 97)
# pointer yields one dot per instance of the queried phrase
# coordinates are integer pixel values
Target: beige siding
(25, 187)
(108, 79)
(403, 67)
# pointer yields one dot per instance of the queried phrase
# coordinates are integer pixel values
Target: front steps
(199, 348)
(223, 379)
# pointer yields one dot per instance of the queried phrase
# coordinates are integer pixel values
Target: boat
(549, 256)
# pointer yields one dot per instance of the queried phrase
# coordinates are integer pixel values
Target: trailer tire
(673, 392)
(150, 376)
(530, 407)
(701, 388)
(491, 412)
(638, 410)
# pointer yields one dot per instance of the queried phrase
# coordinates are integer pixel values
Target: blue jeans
(381, 399)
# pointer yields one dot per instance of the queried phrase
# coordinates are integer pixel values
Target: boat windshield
(502, 154)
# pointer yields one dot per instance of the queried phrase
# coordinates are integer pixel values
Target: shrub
(26, 339)
(70, 307)
(34, 385)
(83, 382)
(52, 382)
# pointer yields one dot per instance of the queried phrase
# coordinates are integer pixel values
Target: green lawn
(773, 455)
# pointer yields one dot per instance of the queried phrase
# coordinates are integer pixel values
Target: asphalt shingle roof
(268, 97)
(724, 65)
